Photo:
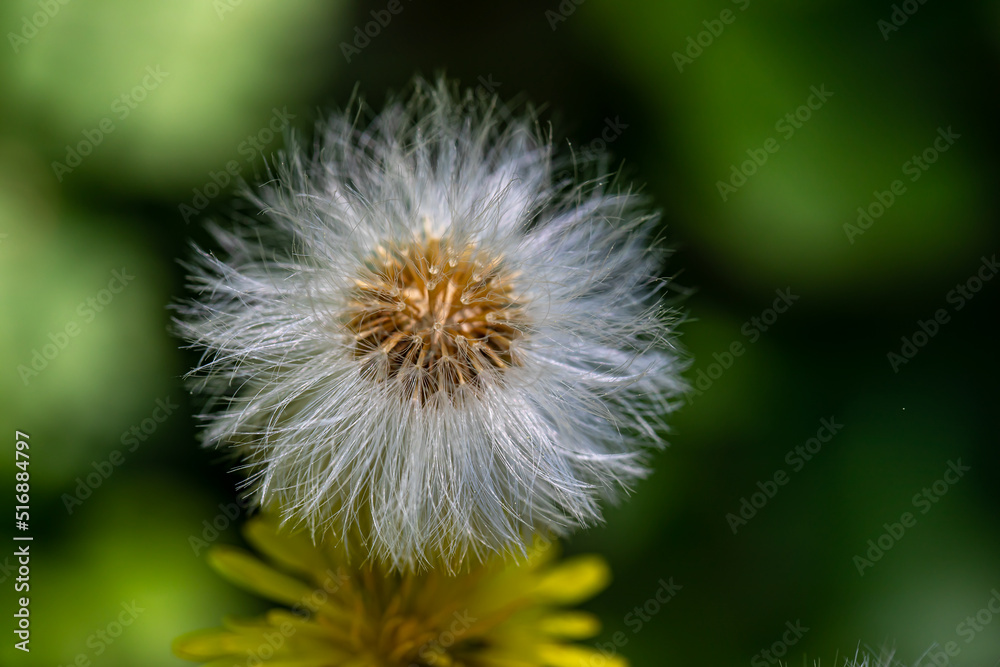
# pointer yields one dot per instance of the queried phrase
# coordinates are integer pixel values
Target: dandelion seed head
(431, 337)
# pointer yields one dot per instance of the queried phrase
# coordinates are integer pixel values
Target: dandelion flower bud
(429, 341)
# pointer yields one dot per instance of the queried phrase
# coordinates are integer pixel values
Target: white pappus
(429, 344)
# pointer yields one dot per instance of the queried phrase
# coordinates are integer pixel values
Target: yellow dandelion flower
(499, 614)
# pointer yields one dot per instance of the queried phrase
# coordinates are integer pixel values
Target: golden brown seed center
(432, 317)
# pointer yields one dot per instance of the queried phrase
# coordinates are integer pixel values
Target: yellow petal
(214, 644)
(277, 617)
(574, 580)
(243, 569)
(571, 625)
(201, 645)
(292, 551)
(564, 655)
(543, 550)
(305, 628)
(242, 661)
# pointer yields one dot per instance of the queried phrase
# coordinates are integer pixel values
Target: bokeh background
(156, 100)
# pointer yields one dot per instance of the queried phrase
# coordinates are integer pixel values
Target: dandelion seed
(339, 614)
(432, 341)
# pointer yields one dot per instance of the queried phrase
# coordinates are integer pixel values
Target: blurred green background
(119, 119)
